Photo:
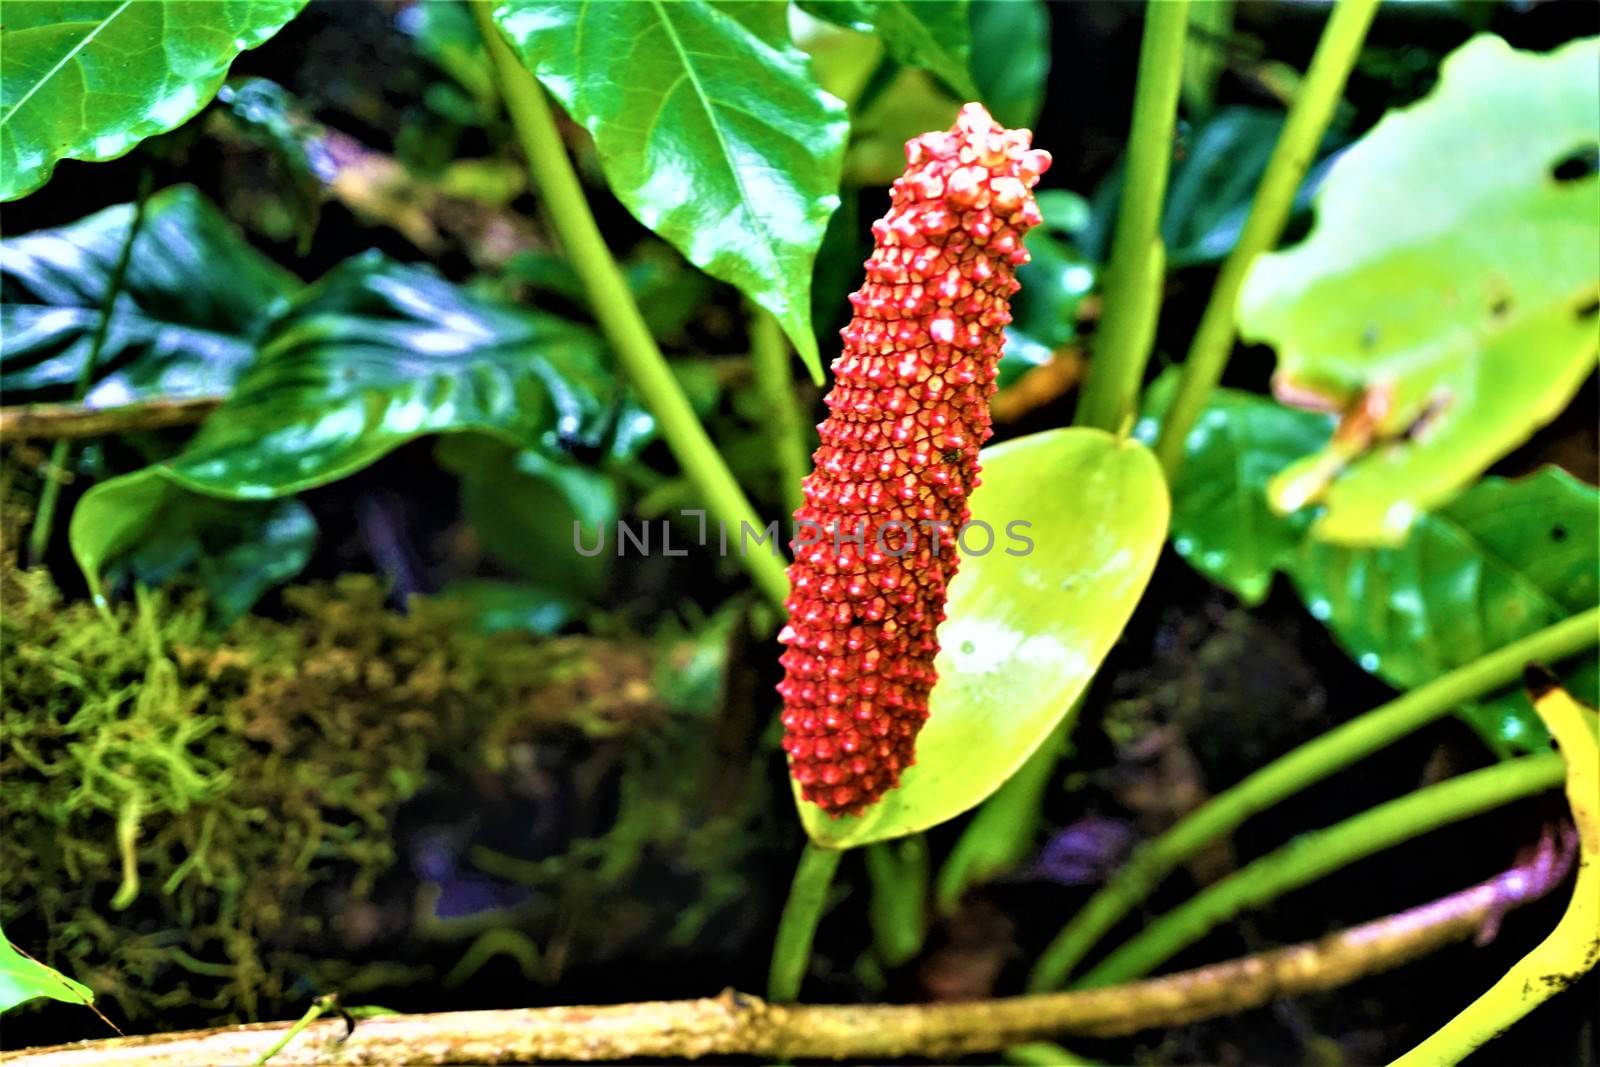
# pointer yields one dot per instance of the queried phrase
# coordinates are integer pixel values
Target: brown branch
(63, 421)
(734, 1024)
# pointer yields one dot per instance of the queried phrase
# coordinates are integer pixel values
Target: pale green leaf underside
(1452, 277)
(1024, 634)
(710, 128)
(91, 79)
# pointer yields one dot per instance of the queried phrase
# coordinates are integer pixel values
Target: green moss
(174, 798)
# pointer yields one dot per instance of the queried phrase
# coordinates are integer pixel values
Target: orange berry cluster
(875, 544)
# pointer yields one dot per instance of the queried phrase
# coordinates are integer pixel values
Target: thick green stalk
(791, 953)
(50, 494)
(1310, 856)
(1290, 773)
(1132, 293)
(786, 426)
(614, 308)
(1313, 108)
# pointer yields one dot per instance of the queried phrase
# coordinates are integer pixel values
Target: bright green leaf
(89, 79)
(1446, 298)
(22, 979)
(710, 128)
(1221, 521)
(931, 34)
(1025, 633)
(194, 301)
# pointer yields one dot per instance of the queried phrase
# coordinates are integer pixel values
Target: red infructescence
(876, 539)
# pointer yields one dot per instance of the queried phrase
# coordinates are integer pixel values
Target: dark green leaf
(89, 79)
(1445, 299)
(374, 356)
(710, 129)
(1221, 521)
(1025, 632)
(144, 528)
(1503, 560)
(23, 979)
(524, 506)
(932, 34)
(194, 301)
(1213, 182)
(1011, 58)
(497, 607)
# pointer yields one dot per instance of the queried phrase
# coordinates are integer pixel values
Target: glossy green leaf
(89, 79)
(23, 979)
(710, 129)
(194, 301)
(141, 527)
(375, 355)
(1221, 520)
(1505, 559)
(1011, 58)
(1025, 633)
(1446, 298)
(932, 34)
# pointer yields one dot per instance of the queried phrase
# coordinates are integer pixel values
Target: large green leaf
(194, 301)
(710, 129)
(23, 979)
(932, 34)
(89, 79)
(1446, 299)
(1504, 559)
(1024, 633)
(375, 355)
(1221, 520)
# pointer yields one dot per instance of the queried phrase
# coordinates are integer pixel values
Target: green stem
(50, 494)
(786, 426)
(898, 911)
(1308, 119)
(1132, 292)
(1310, 856)
(791, 953)
(1289, 774)
(1003, 831)
(614, 307)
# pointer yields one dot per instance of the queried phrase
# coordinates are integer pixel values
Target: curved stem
(1570, 949)
(614, 307)
(786, 426)
(1287, 775)
(50, 495)
(1134, 277)
(791, 953)
(1297, 146)
(1310, 856)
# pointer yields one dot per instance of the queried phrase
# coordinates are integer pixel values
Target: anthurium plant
(722, 534)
